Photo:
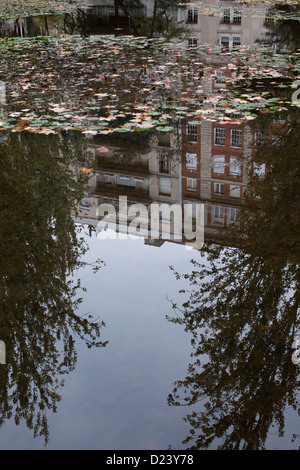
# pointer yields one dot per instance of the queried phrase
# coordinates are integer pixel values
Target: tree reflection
(40, 251)
(243, 313)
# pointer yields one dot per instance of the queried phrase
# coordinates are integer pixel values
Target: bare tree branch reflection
(243, 313)
(40, 252)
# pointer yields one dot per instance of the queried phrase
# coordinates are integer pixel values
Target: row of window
(236, 136)
(121, 180)
(219, 212)
(230, 41)
(219, 165)
(230, 16)
(227, 41)
(234, 191)
(219, 188)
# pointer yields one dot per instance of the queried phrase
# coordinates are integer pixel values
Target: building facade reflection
(206, 160)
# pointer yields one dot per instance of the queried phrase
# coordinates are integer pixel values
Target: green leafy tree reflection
(40, 250)
(243, 313)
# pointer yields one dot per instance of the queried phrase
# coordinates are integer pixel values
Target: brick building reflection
(209, 160)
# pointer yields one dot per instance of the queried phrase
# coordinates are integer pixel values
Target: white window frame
(226, 16)
(219, 189)
(192, 41)
(225, 44)
(219, 164)
(220, 81)
(235, 167)
(233, 215)
(237, 16)
(216, 137)
(236, 40)
(191, 184)
(232, 16)
(191, 161)
(192, 15)
(229, 41)
(240, 133)
(191, 133)
(218, 214)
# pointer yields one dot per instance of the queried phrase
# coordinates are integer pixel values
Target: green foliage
(20, 8)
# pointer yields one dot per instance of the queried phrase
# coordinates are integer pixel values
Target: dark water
(86, 21)
(120, 333)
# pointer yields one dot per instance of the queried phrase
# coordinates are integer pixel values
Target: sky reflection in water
(117, 396)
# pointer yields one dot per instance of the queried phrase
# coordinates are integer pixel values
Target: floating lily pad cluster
(106, 84)
(25, 8)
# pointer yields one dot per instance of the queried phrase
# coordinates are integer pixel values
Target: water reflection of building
(229, 24)
(211, 166)
(218, 153)
(161, 175)
(217, 22)
(144, 176)
(214, 167)
(210, 161)
(13, 27)
(214, 162)
(225, 23)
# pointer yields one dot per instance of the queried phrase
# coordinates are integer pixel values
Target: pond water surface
(122, 329)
